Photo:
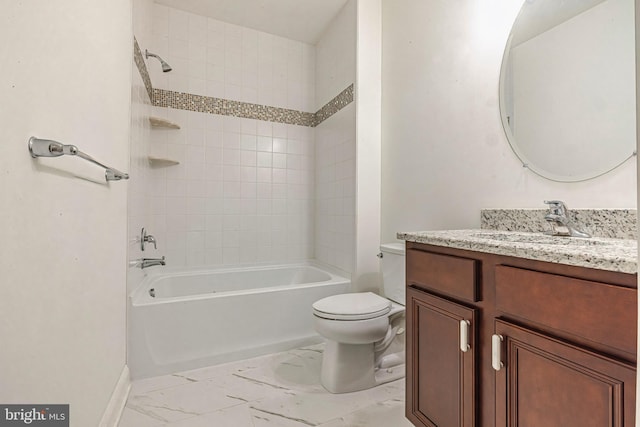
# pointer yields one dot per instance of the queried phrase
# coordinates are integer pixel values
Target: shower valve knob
(147, 238)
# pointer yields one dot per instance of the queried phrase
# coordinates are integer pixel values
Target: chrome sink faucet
(560, 223)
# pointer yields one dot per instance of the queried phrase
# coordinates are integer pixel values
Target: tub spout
(149, 262)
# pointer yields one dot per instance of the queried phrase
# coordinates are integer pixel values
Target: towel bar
(49, 148)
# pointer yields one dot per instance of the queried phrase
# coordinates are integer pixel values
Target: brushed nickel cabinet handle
(496, 352)
(464, 335)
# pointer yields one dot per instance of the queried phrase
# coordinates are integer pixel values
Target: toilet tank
(393, 271)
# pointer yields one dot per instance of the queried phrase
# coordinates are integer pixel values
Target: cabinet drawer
(595, 311)
(446, 274)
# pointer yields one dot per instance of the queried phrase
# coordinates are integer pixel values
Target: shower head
(165, 67)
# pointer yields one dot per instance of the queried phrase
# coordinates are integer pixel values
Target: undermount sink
(540, 239)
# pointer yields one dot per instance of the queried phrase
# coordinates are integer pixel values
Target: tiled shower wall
(214, 58)
(244, 190)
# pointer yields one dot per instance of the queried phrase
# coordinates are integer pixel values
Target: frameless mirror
(567, 87)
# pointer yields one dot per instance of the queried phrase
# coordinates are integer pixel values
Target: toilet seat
(354, 306)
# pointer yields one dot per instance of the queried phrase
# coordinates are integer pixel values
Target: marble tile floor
(276, 390)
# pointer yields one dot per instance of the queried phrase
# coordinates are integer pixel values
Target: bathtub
(188, 319)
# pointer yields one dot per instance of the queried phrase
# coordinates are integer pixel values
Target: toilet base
(350, 367)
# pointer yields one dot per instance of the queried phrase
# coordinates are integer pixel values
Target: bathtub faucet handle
(147, 238)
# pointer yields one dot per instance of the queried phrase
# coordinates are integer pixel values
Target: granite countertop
(601, 253)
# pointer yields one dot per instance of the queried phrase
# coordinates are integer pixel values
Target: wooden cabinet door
(547, 382)
(440, 376)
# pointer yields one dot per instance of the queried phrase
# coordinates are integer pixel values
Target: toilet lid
(355, 306)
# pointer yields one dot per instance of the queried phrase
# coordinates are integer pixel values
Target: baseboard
(112, 414)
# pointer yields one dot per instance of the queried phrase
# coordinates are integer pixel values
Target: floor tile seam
(197, 414)
(187, 382)
(159, 418)
(344, 417)
(298, 420)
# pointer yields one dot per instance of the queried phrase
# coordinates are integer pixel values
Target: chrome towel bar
(49, 148)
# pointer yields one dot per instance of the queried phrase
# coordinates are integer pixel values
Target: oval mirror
(567, 87)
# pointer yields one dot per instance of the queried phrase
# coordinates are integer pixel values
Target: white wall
(335, 209)
(368, 131)
(140, 200)
(66, 75)
(444, 153)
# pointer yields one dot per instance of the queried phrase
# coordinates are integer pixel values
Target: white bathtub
(180, 320)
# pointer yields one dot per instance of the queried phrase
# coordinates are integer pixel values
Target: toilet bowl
(360, 328)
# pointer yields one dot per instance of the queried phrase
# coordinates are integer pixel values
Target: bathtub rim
(139, 297)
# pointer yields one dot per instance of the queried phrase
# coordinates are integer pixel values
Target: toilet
(361, 328)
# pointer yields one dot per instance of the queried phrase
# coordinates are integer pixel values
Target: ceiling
(302, 20)
(542, 15)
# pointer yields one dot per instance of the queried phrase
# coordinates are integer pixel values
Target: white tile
(265, 129)
(279, 145)
(213, 223)
(279, 176)
(297, 370)
(179, 50)
(213, 240)
(313, 409)
(154, 409)
(232, 206)
(231, 223)
(213, 155)
(264, 175)
(146, 385)
(133, 418)
(178, 24)
(230, 255)
(279, 160)
(264, 159)
(226, 368)
(248, 174)
(231, 157)
(248, 158)
(248, 190)
(186, 401)
(214, 70)
(265, 143)
(196, 188)
(236, 416)
(383, 414)
(160, 20)
(248, 141)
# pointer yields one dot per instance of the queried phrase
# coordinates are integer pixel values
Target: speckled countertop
(619, 255)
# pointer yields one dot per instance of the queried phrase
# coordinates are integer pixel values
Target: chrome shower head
(165, 67)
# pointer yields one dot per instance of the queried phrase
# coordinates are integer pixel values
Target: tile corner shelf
(158, 122)
(160, 162)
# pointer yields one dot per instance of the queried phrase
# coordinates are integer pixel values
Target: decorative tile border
(343, 99)
(228, 107)
(142, 68)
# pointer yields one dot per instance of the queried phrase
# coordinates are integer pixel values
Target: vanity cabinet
(442, 354)
(550, 382)
(548, 344)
